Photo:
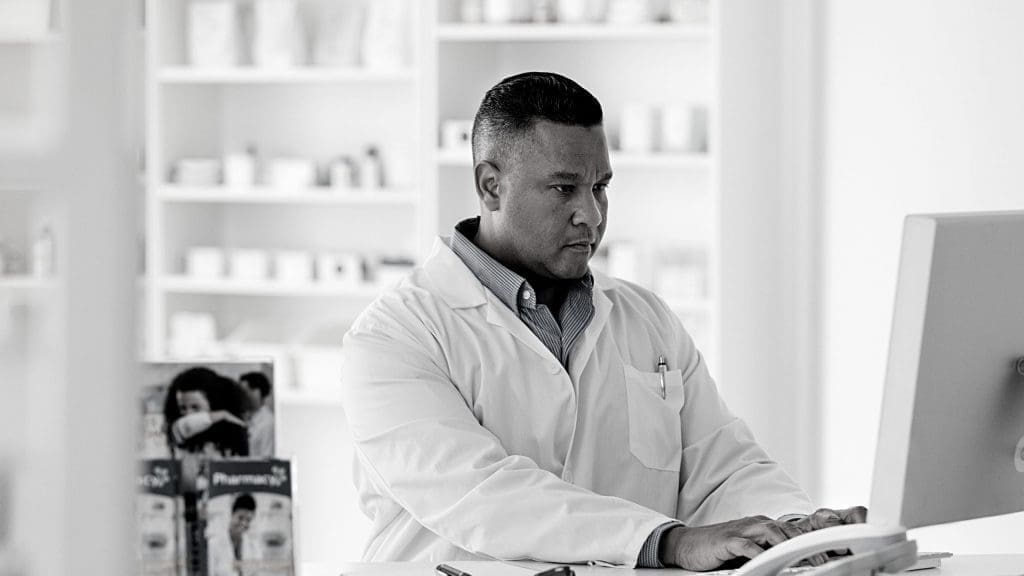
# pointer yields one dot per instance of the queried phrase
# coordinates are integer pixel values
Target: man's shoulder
(621, 291)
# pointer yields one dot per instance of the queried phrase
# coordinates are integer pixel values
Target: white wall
(923, 114)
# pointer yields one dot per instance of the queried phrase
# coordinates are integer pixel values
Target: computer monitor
(951, 440)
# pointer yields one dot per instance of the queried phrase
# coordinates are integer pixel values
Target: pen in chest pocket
(662, 368)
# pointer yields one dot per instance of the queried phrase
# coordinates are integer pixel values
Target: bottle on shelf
(43, 249)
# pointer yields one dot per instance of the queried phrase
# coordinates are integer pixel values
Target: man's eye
(600, 188)
(564, 188)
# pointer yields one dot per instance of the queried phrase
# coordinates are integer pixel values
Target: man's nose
(588, 211)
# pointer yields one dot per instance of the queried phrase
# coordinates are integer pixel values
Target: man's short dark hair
(245, 501)
(257, 381)
(515, 104)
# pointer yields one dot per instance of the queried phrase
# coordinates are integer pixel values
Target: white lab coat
(472, 441)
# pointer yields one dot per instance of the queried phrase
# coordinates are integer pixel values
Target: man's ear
(487, 185)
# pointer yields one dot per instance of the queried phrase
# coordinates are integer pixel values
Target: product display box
(248, 511)
(159, 512)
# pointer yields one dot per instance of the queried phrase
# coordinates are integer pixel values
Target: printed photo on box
(213, 410)
(249, 518)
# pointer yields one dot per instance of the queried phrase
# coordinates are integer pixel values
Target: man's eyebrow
(605, 177)
(573, 176)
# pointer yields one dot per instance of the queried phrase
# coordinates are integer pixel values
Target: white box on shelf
(192, 335)
(628, 12)
(390, 271)
(293, 267)
(291, 173)
(681, 281)
(636, 127)
(250, 265)
(341, 269)
(688, 11)
(204, 262)
(197, 172)
(571, 11)
(276, 34)
(240, 169)
(385, 35)
(213, 33)
(24, 18)
(457, 134)
(342, 173)
(624, 261)
(677, 128)
(338, 31)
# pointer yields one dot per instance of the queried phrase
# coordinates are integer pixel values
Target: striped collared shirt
(514, 291)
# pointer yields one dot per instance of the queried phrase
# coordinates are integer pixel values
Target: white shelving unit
(306, 111)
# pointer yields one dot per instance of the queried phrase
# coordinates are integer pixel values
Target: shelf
(228, 287)
(308, 75)
(569, 32)
(618, 159)
(43, 38)
(299, 197)
(25, 283)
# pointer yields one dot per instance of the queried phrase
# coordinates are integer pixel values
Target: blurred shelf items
(301, 156)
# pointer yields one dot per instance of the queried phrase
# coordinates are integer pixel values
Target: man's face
(255, 398)
(554, 202)
(192, 402)
(240, 521)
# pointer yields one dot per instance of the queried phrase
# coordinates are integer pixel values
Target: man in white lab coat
(506, 402)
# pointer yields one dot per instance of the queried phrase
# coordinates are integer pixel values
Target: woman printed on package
(205, 411)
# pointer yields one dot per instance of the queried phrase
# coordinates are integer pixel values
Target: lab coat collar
(456, 284)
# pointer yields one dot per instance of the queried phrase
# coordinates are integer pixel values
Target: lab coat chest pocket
(655, 434)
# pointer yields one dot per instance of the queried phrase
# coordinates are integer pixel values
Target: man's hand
(700, 548)
(826, 517)
(703, 548)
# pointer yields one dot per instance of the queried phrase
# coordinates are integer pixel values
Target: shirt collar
(512, 289)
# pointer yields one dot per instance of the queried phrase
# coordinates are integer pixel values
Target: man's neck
(550, 292)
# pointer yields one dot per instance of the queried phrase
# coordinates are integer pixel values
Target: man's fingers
(765, 533)
(742, 547)
(825, 518)
(791, 529)
(855, 515)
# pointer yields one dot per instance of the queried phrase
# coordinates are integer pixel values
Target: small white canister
(204, 262)
(293, 267)
(213, 33)
(636, 128)
(249, 265)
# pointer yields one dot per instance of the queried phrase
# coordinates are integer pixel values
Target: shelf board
(323, 196)
(228, 287)
(569, 32)
(25, 283)
(684, 161)
(41, 38)
(297, 75)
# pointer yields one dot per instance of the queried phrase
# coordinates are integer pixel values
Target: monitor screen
(951, 441)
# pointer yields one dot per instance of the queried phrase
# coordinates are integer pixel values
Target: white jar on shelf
(636, 128)
(277, 37)
(293, 267)
(249, 265)
(677, 128)
(213, 33)
(240, 169)
(204, 262)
